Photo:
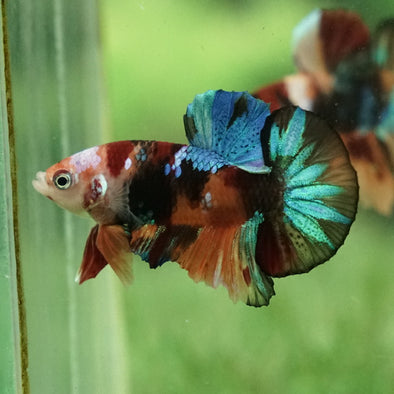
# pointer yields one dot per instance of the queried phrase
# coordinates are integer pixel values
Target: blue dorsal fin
(228, 124)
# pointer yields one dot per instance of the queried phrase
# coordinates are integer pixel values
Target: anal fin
(157, 244)
(216, 256)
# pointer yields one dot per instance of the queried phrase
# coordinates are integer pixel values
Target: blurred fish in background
(383, 56)
(347, 77)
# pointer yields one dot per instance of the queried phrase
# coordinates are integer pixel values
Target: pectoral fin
(106, 245)
(93, 261)
(113, 243)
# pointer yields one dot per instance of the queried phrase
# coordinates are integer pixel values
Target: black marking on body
(260, 192)
(191, 182)
(170, 244)
(150, 194)
(153, 195)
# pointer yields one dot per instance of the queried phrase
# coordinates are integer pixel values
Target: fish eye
(62, 179)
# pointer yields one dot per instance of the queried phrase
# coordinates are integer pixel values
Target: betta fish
(347, 78)
(254, 195)
(383, 57)
(320, 42)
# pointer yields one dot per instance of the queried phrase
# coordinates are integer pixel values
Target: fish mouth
(40, 183)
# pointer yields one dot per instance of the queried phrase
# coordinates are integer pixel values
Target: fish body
(254, 195)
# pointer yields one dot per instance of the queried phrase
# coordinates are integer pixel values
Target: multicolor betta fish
(347, 78)
(320, 42)
(383, 57)
(254, 195)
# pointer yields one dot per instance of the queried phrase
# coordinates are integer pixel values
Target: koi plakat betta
(254, 195)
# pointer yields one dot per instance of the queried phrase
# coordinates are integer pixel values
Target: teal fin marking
(320, 193)
(261, 287)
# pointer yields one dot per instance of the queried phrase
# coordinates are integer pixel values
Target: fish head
(75, 183)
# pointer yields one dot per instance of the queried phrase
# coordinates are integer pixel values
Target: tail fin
(320, 193)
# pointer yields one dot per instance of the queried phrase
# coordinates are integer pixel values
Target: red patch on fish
(275, 94)
(97, 189)
(117, 154)
(163, 151)
(95, 192)
(246, 276)
(275, 253)
(368, 148)
(342, 33)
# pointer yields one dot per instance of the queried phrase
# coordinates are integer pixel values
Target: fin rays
(228, 124)
(320, 196)
(216, 256)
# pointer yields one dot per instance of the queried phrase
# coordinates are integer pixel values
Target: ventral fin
(93, 261)
(113, 244)
(228, 125)
(216, 256)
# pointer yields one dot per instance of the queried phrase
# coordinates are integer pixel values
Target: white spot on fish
(127, 163)
(85, 159)
(167, 169)
(207, 201)
(104, 184)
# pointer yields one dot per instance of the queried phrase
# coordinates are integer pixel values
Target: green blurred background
(330, 331)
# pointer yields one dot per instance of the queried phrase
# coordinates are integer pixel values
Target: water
(83, 76)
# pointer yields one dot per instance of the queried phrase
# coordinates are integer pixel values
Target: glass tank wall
(75, 335)
(85, 73)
